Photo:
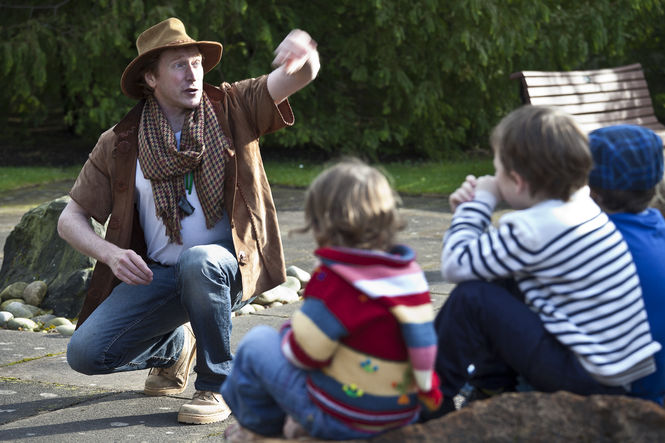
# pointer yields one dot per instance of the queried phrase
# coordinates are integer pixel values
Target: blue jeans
(139, 326)
(263, 387)
(488, 326)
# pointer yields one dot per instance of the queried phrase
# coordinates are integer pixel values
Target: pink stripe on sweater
(371, 272)
(422, 358)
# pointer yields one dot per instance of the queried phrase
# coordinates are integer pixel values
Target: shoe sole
(157, 392)
(163, 392)
(202, 419)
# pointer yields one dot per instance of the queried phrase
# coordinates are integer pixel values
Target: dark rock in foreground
(541, 417)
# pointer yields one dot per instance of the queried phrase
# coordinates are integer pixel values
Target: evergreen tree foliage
(416, 78)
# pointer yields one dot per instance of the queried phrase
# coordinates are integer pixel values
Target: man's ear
(150, 79)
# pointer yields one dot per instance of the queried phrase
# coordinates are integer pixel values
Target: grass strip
(415, 178)
(16, 177)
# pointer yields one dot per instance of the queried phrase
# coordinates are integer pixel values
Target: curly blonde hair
(351, 204)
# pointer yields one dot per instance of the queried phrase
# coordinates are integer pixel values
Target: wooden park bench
(596, 98)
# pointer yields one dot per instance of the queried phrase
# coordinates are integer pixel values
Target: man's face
(178, 82)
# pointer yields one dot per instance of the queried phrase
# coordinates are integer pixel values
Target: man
(192, 229)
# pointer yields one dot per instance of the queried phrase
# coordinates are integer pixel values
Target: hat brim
(129, 83)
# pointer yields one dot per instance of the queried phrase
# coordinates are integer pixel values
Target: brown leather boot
(173, 380)
(205, 407)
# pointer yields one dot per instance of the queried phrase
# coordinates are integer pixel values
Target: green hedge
(416, 78)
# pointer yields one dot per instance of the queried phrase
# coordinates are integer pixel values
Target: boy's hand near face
(489, 184)
(467, 191)
(464, 193)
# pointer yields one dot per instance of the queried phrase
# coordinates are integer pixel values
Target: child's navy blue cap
(625, 157)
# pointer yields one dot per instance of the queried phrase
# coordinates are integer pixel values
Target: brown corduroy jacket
(105, 187)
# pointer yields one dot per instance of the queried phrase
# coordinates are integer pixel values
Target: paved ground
(42, 398)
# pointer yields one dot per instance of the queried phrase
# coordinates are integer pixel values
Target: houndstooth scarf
(202, 150)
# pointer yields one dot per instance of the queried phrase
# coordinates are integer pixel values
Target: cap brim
(129, 83)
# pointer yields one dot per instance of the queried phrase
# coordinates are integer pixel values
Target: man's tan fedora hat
(168, 34)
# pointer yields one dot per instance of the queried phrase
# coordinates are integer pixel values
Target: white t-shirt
(193, 232)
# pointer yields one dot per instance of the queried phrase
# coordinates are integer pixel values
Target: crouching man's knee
(82, 357)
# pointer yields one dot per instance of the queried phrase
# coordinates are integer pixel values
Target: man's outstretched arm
(297, 64)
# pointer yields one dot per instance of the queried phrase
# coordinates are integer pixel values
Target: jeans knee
(257, 341)
(80, 356)
(207, 273)
(192, 262)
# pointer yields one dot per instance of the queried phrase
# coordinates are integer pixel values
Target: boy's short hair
(546, 147)
(621, 200)
(352, 204)
(628, 164)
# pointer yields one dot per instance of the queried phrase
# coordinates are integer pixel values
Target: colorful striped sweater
(365, 333)
(574, 270)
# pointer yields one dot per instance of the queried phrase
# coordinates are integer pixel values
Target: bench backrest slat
(595, 98)
(587, 88)
(608, 106)
(633, 67)
(600, 97)
(578, 79)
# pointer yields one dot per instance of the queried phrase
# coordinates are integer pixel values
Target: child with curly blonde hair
(357, 358)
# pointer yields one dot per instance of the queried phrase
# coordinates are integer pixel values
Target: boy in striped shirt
(552, 294)
(357, 359)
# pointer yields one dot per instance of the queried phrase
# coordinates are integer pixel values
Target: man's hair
(352, 204)
(150, 65)
(622, 200)
(546, 147)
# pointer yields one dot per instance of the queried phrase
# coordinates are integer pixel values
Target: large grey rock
(21, 324)
(69, 296)
(35, 251)
(19, 310)
(58, 321)
(9, 301)
(43, 319)
(5, 317)
(537, 416)
(302, 275)
(35, 292)
(14, 290)
(292, 283)
(278, 293)
(66, 330)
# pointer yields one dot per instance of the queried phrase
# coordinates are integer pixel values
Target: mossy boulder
(35, 251)
(35, 292)
(15, 290)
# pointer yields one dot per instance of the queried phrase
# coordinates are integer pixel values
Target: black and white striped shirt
(575, 271)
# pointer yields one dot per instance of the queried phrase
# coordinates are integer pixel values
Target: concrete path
(41, 398)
